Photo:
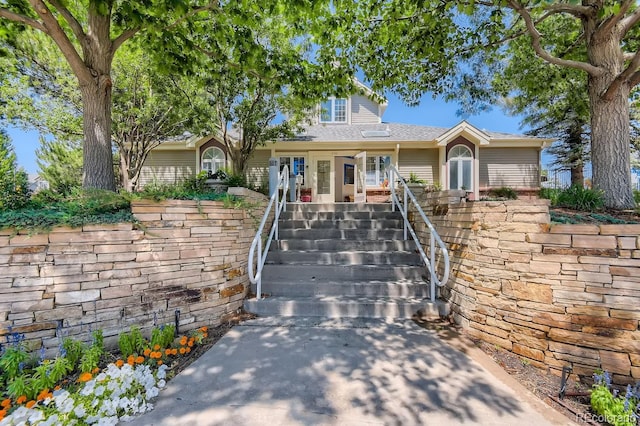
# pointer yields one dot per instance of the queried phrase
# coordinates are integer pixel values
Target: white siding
(363, 110)
(258, 168)
(422, 162)
(512, 167)
(164, 167)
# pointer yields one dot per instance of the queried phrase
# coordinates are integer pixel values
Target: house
(348, 130)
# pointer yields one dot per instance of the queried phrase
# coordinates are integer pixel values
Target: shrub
(616, 409)
(82, 207)
(550, 194)
(413, 178)
(504, 192)
(636, 196)
(236, 180)
(580, 198)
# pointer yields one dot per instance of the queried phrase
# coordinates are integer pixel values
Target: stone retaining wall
(554, 294)
(186, 259)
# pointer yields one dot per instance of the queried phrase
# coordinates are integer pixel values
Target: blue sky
(430, 112)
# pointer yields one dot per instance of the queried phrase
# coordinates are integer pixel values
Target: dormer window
(333, 111)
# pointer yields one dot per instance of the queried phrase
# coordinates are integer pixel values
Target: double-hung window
(296, 166)
(376, 169)
(333, 111)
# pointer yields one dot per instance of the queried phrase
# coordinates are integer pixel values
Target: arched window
(212, 159)
(460, 168)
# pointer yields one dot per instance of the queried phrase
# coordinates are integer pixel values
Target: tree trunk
(97, 169)
(127, 183)
(576, 155)
(610, 133)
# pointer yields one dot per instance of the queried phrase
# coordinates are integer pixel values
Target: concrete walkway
(344, 372)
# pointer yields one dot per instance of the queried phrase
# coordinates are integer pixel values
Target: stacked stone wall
(185, 260)
(556, 295)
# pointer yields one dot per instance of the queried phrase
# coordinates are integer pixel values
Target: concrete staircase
(342, 260)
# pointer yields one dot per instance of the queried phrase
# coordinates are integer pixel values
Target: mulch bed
(569, 216)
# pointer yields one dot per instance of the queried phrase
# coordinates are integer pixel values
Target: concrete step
(342, 224)
(301, 257)
(342, 234)
(344, 245)
(338, 207)
(341, 215)
(334, 273)
(336, 307)
(395, 288)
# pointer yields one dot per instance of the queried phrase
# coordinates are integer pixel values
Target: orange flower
(204, 328)
(159, 362)
(21, 399)
(30, 403)
(3, 413)
(58, 387)
(167, 352)
(119, 363)
(146, 351)
(43, 394)
(5, 403)
(174, 351)
(95, 370)
(85, 377)
(131, 360)
(140, 360)
(190, 343)
(183, 340)
(188, 350)
(205, 335)
(156, 347)
(182, 351)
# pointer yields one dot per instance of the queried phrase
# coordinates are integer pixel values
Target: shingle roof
(395, 132)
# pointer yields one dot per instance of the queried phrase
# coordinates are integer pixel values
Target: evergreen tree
(60, 164)
(14, 182)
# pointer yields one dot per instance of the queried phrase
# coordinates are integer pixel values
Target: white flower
(161, 383)
(92, 419)
(162, 371)
(36, 416)
(99, 390)
(101, 377)
(80, 411)
(152, 392)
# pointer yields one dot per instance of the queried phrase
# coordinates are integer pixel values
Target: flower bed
(73, 389)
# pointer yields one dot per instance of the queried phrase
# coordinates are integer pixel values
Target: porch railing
(280, 205)
(396, 181)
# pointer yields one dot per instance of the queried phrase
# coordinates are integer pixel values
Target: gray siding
(422, 162)
(512, 167)
(258, 168)
(164, 167)
(363, 110)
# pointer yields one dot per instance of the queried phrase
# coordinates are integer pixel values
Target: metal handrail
(256, 278)
(430, 263)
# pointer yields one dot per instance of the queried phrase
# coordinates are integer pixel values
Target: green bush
(580, 198)
(236, 180)
(636, 196)
(617, 409)
(47, 209)
(504, 192)
(550, 194)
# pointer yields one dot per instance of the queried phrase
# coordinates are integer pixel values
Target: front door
(360, 181)
(323, 184)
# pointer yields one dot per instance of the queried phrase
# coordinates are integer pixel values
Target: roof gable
(466, 130)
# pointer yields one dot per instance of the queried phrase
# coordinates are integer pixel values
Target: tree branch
(609, 24)
(124, 36)
(71, 20)
(58, 35)
(634, 80)
(541, 52)
(624, 76)
(630, 21)
(16, 17)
